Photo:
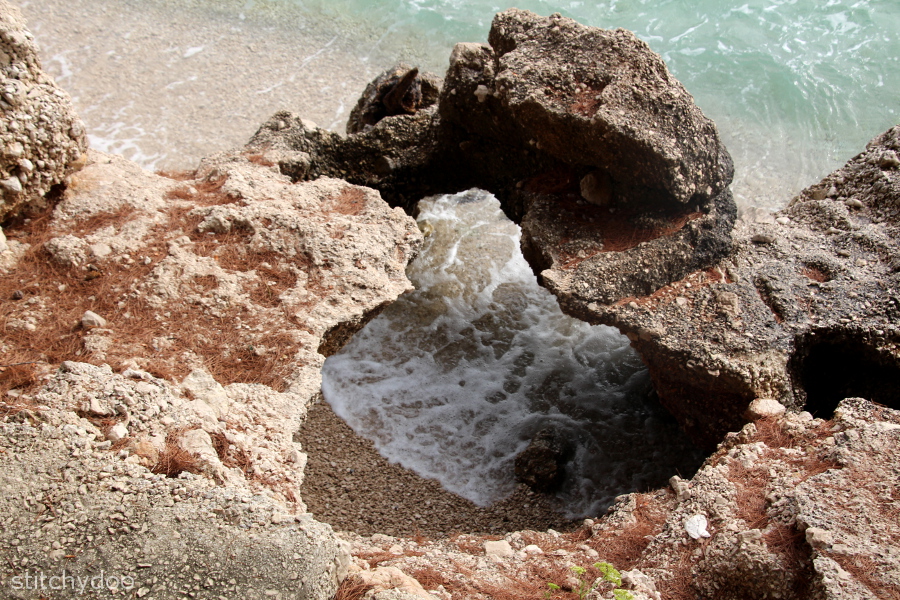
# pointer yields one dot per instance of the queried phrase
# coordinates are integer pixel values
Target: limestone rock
(90, 319)
(805, 320)
(499, 548)
(41, 138)
(235, 283)
(383, 579)
(399, 90)
(762, 408)
(589, 96)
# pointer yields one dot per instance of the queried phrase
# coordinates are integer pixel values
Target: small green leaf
(622, 595)
(552, 586)
(578, 570)
(610, 573)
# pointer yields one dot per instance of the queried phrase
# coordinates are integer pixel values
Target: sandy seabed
(166, 87)
(167, 83)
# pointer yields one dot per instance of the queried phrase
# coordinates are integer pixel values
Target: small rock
(783, 221)
(90, 320)
(762, 408)
(101, 250)
(117, 432)
(889, 160)
(763, 238)
(596, 188)
(12, 185)
(819, 538)
(500, 549)
(481, 92)
(696, 527)
(853, 203)
(681, 488)
(3, 245)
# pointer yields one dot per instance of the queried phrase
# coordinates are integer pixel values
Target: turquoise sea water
(796, 87)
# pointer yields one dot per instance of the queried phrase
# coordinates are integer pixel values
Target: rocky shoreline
(163, 336)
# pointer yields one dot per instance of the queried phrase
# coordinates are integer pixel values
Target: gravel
(352, 487)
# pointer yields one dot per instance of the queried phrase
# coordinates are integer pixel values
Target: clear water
(455, 379)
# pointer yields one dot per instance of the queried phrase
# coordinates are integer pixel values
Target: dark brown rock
(807, 319)
(541, 466)
(401, 90)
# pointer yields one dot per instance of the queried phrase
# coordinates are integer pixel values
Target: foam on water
(453, 380)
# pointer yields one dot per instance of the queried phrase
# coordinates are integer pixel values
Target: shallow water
(454, 379)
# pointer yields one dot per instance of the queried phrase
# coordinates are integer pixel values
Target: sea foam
(454, 379)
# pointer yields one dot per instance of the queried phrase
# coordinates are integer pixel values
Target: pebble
(499, 548)
(90, 320)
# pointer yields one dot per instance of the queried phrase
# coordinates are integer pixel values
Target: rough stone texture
(40, 134)
(619, 181)
(804, 310)
(70, 503)
(590, 97)
(217, 296)
(399, 90)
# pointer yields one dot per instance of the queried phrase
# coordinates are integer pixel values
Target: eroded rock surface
(213, 299)
(618, 179)
(41, 135)
(804, 310)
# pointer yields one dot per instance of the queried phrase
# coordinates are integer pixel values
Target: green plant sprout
(608, 573)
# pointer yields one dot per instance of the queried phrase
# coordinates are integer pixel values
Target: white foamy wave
(453, 380)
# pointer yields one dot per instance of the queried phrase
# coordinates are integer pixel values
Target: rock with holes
(222, 292)
(805, 320)
(41, 137)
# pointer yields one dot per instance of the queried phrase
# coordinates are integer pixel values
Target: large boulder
(619, 181)
(216, 296)
(41, 137)
(588, 97)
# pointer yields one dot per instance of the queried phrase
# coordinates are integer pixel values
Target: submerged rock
(542, 465)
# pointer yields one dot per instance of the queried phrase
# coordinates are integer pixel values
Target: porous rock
(232, 264)
(588, 96)
(619, 181)
(806, 320)
(399, 90)
(41, 137)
